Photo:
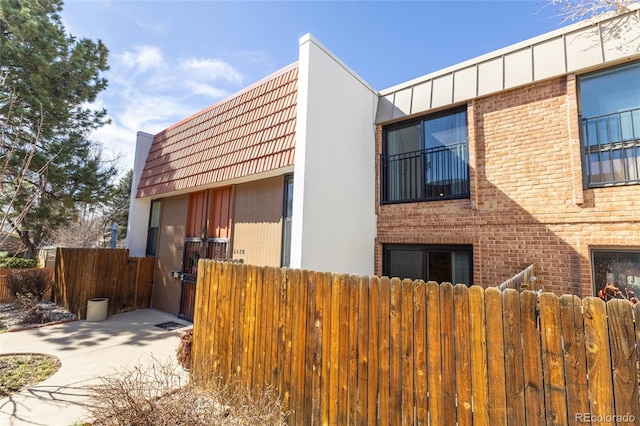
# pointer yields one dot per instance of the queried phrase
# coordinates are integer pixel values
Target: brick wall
(527, 202)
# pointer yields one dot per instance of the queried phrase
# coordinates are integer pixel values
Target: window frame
(285, 258)
(383, 176)
(426, 249)
(610, 148)
(609, 250)
(156, 229)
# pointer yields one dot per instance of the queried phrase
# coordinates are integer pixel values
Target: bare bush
(32, 312)
(184, 349)
(159, 395)
(29, 282)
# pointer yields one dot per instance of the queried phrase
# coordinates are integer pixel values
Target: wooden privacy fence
(83, 274)
(367, 350)
(5, 296)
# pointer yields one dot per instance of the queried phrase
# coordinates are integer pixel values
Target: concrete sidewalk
(87, 351)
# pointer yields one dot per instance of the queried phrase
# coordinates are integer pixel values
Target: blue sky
(170, 59)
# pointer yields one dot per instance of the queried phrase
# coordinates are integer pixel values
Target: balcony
(425, 175)
(611, 148)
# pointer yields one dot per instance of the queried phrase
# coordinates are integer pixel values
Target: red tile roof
(250, 132)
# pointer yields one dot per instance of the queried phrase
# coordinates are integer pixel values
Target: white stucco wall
(334, 222)
(138, 222)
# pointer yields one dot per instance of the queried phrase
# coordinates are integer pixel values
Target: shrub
(159, 395)
(29, 282)
(32, 312)
(184, 349)
(17, 263)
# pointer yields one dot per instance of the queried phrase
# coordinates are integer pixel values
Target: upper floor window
(154, 228)
(610, 102)
(426, 159)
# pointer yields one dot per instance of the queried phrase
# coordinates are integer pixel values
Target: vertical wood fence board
(395, 352)
(513, 363)
(317, 292)
(553, 360)
(325, 366)
(434, 354)
(343, 350)
(240, 290)
(623, 358)
(258, 337)
(420, 352)
(363, 350)
(406, 342)
(248, 327)
(575, 362)
(214, 302)
(598, 357)
(269, 300)
(275, 339)
(334, 353)
(497, 397)
(479, 374)
(447, 350)
(462, 354)
(532, 359)
(200, 331)
(311, 346)
(352, 362)
(384, 379)
(287, 330)
(374, 344)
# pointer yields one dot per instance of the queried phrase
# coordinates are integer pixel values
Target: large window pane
(429, 262)
(615, 271)
(426, 160)
(610, 102)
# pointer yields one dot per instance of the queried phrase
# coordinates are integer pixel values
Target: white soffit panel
(402, 103)
(583, 49)
(464, 84)
(490, 76)
(385, 108)
(518, 68)
(421, 97)
(548, 59)
(442, 91)
(621, 37)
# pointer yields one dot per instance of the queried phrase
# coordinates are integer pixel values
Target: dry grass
(20, 371)
(159, 395)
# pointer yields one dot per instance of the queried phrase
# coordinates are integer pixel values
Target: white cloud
(198, 88)
(144, 58)
(210, 69)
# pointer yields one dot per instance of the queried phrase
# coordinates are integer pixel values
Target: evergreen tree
(49, 77)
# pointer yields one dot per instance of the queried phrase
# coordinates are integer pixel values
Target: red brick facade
(527, 202)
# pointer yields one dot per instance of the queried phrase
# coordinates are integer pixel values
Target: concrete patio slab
(87, 351)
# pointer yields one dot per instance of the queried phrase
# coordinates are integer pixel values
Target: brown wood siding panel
(219, 213)
(257, 222)
(196, 213)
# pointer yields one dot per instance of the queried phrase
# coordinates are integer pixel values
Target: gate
(191, 254)
(214, 248)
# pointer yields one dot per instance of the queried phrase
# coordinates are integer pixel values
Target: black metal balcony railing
(429, 174)
(611, 148)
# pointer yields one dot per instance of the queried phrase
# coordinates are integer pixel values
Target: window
(154, 226)
(286, 221)
(610, 117)
(426, 159)
(429, 262)
(616, 268)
